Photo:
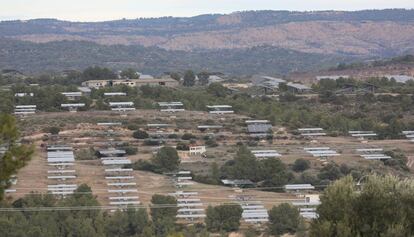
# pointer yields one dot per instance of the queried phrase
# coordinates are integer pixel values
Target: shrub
(300, 165)
(139, 134)
(188, 136)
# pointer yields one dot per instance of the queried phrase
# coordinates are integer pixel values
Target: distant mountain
(63, 55)
(328, 37)
(360, 33)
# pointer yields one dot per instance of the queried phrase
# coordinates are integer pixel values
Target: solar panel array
(122, 106)
(299, 187)
(362, 134)
(120, 181)
(265, 154)
(258, 128)
(115, 94)
(253, 211)
(72, 95)
(171, 106)
(321, 151)
(73, 107)
(24, 109)
(307, 208)
(220, 109)
(373, 154)
(311, 132)
(409, 135)
(190, 207)
(62, 178)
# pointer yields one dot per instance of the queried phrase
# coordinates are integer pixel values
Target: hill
(362, 33)
(63, 55)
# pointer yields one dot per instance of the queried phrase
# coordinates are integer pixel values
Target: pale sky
(98, 10)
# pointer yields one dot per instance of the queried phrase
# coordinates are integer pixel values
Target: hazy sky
(97, 10)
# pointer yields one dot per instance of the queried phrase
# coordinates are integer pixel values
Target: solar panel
(181, 210)
(191, 216)
(209, 126)
(116, 162)
(125, 203)
(122, 190)
(184, 172)
(61, 164)
(114, 158)
(119, 177)
(117, 170)
(265, 153)
(123, 109)
(220, 109)
(76, 105)
(124, 198)
(60, 171)
(369, 149)
(112, 152)
(316, 148)
(109, 124)
(59, 148)
(25, 106)
(189, 204)
(122, 184)
(115, 94)
(63, 186)
(72, 94)
(186, 200)
(299, 187)
(255, 215)
(310, 129)
(62, 177)
(114, 104)
(256, 121)
(62, 192)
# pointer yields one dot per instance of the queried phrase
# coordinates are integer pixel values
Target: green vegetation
(189, 78)
(61, 55)
(223, 218)
(267, 172)
(382, 207)
(301, 165)
(12, 155)
(140, 134)
(283, 219)
(163, 218)
(166, 160)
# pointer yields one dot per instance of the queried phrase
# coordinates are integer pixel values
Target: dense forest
(57, 56)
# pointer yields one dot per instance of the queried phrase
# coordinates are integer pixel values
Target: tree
(163, 213)
(331, 172)
(139, 134)
(97, 73)
(189, 78)
(203, 77)
(245, 165)
(223, 217)
(129, 73)
(300, 165)
(188, 136)
(383, 206)
(283, 219)
(53, 130)
(166, 160)
(217, 89)
(15, 156)
(175, 75)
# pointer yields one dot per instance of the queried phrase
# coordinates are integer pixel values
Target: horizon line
(192, 16)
